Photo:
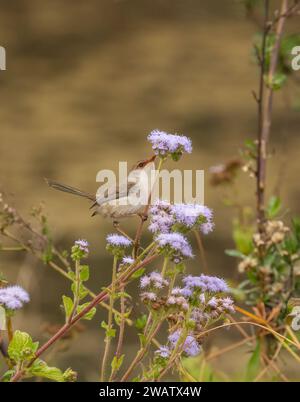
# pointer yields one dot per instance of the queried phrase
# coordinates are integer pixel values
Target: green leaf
(110, 333)
(138, 273)
(8, 375)
(83, 292)
(140, 322)
(277, 81)
(242, 236)
(251, 145)
(22, 347)
(90, 314)
(117, 362)
(234, 253)
(84, 273)
(71, 275)
(274, 207)
(47, 255)
(143, 339)
(126, 295)
(104, 325)
(68, 305)
(296, 227)
(253, 364)
(41, 369)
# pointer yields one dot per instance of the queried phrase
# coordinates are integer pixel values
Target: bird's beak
(151, 159)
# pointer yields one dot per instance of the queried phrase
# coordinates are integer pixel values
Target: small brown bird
(119, 201)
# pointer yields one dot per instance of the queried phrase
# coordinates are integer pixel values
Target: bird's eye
(141, 164)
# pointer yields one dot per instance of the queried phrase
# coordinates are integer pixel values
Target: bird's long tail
(69, 189)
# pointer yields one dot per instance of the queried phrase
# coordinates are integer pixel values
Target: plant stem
(152, 331)
(99, 298)
(201, 249)
(261, 151)
(10, 332)
(110, 320)
(59, 269)
(165, 265)
(177, 349)
(121, 333)
(265, 104)
(76, 290)
(143, 350)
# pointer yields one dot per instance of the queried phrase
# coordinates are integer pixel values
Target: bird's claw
(143, 216)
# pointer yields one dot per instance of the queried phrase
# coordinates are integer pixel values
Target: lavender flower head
(161, 217)
(117, 240)
(206, 283)
(80, 250)
(154, 279)
(175, 245)
(83, 245)
(164, 144)
(166, 217)
(13, 297)
(148, 296)
(127, 260)
(191, 347)
(190, 215)
(163, 352)
(227, 305)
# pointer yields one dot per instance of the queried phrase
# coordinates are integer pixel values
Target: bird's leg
(143, 216)
(116, 225)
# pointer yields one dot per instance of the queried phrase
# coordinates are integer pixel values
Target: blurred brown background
(85, 83)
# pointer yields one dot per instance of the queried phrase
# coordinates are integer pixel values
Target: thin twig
(265, 104)
(201, 249)
(99, 298)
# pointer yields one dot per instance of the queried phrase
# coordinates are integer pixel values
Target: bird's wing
(115, 192)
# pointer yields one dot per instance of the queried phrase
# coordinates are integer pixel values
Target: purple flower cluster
(83, 245)
(185, 292)
(205, 283)
(162, 219)
(204, 297)
(13, 297)
(178, 301)
(148, 296)
(117, 240)
(191, 347)
(165, 216)
(190, 215)
(163, 351)
(153, 280)
(211, 309)
(164, 143)
(176, 245)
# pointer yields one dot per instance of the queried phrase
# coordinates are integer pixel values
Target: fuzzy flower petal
(206, 283)
(117, 240)
(127, 260)
(191, 347)
(164, 143)
(175, 242)
(13, 297)
(163, 351)
(83, 245)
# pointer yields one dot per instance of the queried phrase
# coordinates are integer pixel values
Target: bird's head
(142, 164)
